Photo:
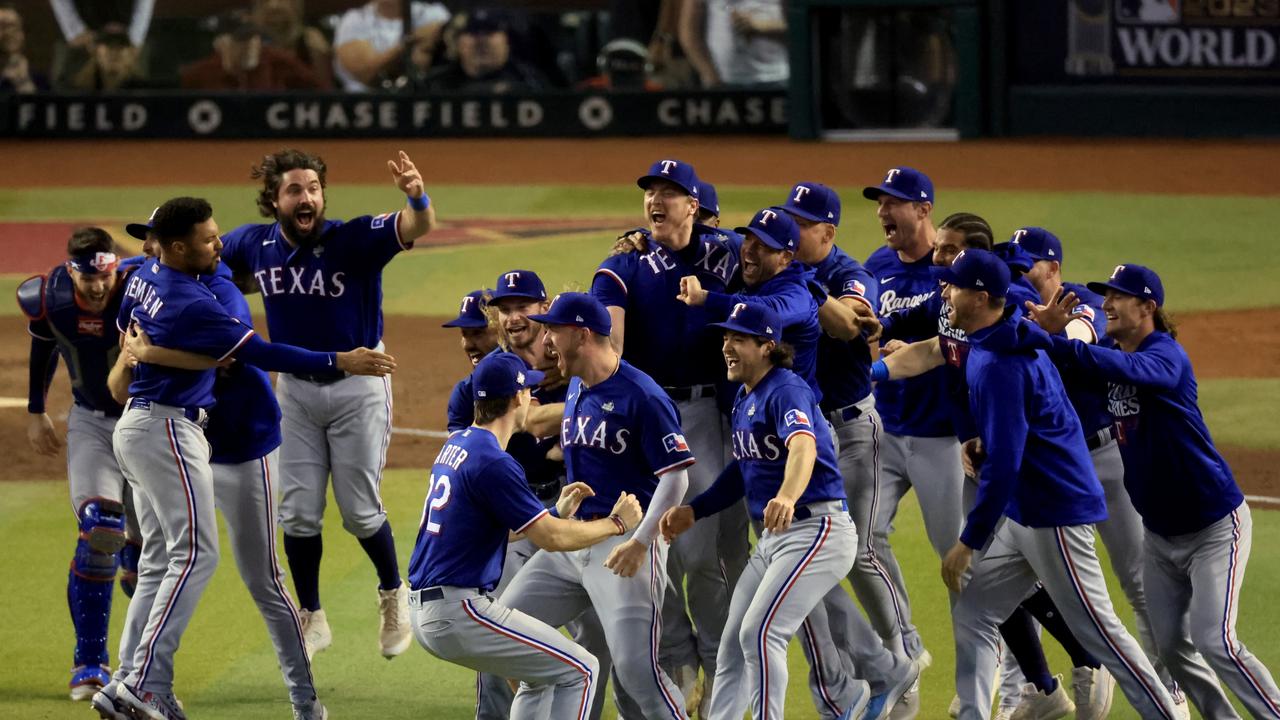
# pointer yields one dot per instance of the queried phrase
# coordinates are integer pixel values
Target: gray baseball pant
(92, 471)
(931, 466)
(152, 565)
(785, 579)
(1064, 561)
(166, 456)
(1193, 583)
(557, 587)
(342, 428)
(841, 646)
(473, 630)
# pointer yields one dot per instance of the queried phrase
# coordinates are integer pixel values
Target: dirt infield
(430, 362)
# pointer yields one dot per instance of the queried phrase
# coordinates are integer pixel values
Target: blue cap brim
(764, 237)
(731, 325)
(1102, 287)
(874, 192)
(498, 295)
(533, 377)
(462, 322)
(644, 181)
(805, 214)
(942, 274)
(137, 230)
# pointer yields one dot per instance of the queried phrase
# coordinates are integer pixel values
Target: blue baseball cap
(977, 270)
(1038, 242)
(903, 183)
(753, 319)
(140, 230)
(1136, 280)
(814, 201)
(502, 374)
(519, 284)
(1015, 256)
(579, 310)
(774, 227)
(676, 171)
(709, 201)
(471, 312)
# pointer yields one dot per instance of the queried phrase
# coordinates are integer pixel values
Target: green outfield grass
(226, 668)
(1213, 252)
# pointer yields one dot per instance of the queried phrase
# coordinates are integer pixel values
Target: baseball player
(159, 441)
(1037, 499)
(919, 450)
(671, 343)
(70, 314)
(620, 434)
(786, 468)
(478, 337)
(321, 283)
(708, 205)
(476, 495)
(243, 434)
(1198, 529)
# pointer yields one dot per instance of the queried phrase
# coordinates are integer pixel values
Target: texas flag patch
(797, 417)
(675, 443)
(853, 287)
(1086, 312)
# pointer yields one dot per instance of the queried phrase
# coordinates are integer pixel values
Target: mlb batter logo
(675, 442)
(1149, 12)
(797, 417)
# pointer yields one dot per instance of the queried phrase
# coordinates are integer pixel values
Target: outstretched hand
(363, 361)
(1057, 314)
(406, 176)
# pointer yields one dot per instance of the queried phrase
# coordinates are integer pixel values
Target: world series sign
(337, 115)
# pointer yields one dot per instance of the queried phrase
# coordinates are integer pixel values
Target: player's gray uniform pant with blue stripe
(785, 578)
(165, 457)
(559, 679)
(1064, 561)
(92, 471)
(246, 495)
(557, 587)
(1193, 589)
(932, 467)
(342, 428)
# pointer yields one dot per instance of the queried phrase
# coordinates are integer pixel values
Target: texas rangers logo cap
(579, 310)
(708, 200)
(753, 319)
(774, 227)
(977, 270)
(814, 201)
(1015, 256)
(675, 171)
(1136, 280)
(903, 183)
(519, 284)
(1038, 242)
(471, 311)
(502, 374)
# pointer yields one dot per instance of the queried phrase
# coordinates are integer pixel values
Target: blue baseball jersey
(666, 339)
(1037, 470)
(780, 407)
(327, 297)
(844, 367)
(476, 496)
(620, 436)
(916, 406)
(245, 422)
(1087, 391)
(1178, 481)
(790, 295)
(178, 311)
(88, 342)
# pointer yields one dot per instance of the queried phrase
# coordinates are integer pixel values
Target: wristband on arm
(419, 203)
(879, 371)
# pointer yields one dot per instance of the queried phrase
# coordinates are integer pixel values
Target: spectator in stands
(241, 61)
(735, 42)
(15, 71)
(624, 65)
(483, 62)
(82, 20)
(369, 45)
(281, 22)
(111, 63)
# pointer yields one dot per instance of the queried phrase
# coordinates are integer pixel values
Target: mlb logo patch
(90, 326)
(675, 443)
(797, 417)
(856, 288)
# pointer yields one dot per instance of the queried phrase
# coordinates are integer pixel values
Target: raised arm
(419, 216)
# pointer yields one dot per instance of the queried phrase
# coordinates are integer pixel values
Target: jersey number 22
(437, 498)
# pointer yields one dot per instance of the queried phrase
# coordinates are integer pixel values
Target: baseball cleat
(858, 706)
(954, 708)
(909, 706)
(1092, 691)
(686, 679)
(108, 707)
(394, 633)
(880, 706)
(1181, 708)
(1036, 705)
(1004, 712)
(87, 680)
(316, 635)
(311, 711)
(143, 705)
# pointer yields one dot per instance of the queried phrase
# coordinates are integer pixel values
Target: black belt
(683, 394)
(100, 413)
(1102, 437)
(819, 508)
(436, 592)
(323, 378)
(845, 414)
